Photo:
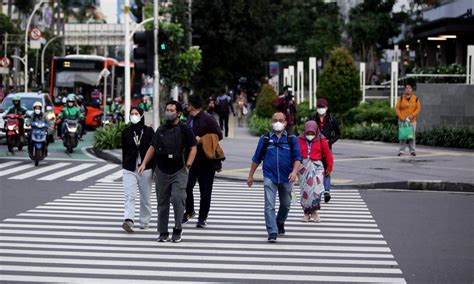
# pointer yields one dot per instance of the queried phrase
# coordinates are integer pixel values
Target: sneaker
(177, 233)
(400, 154)
(187, 216)
(128, 226)
(164, 237)
(281, 229)
(201, 224)
(272, 238)
(413, 154)
(144, 226)
(315, 217)
(305, 218)
(327, 197)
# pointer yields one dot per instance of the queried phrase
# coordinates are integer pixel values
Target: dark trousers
(224, 122)
(205, 176)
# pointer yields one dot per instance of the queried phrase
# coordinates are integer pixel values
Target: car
(27, 100)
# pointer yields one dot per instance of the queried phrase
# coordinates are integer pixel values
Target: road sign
(35, 34)
(4, 62)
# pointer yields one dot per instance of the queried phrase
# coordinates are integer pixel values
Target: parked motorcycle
(71, 138)
(12, 126)
(37, 148)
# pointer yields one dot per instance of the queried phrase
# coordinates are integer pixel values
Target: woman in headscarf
(136, 139)
(317, 162)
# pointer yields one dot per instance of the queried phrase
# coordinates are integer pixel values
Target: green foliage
(339, 82)
(371, 112)
(266, 101)
(442, 69)
(374, 131)
(303, 112)
(109, 136)
(259, 125)
(6, 26)
(447, 137)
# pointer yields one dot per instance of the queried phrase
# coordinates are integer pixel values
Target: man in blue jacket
(281, 154)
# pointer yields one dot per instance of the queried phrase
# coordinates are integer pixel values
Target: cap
(322, 103)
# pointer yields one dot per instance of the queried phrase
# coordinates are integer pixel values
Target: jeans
(411, 143)
(284, 194)
(224, 122)
(327, 183)
(170, 188)
(132, 181)
(203, 174)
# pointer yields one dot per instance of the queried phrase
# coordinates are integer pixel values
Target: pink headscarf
(311, 126)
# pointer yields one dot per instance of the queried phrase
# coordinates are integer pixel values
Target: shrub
(109, 136)
(442, 69)
(374, 131)
(371, 112)
(447, 137)
(259, 125)
(266, 101)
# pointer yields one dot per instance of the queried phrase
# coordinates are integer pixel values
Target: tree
(339, 82)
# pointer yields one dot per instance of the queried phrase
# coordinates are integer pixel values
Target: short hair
(179, 106)
(195, 101)
(284, 115)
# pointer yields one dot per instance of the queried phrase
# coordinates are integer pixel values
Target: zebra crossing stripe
(67, 171)
(16, 169)
(8, 164)
(112, 177)
(93, 173)
(40, 171)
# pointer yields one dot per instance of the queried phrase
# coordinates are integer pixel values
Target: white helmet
(37, 104)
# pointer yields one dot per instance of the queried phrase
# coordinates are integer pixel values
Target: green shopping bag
(405, 131)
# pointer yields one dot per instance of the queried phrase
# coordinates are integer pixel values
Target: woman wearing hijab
(136, 139)
(315, 153)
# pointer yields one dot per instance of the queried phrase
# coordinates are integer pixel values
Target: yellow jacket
(408, 108)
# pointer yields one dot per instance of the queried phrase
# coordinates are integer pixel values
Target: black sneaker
(185, 219)
(272, 238)
(413, 154)
(201, 224)
(327, 197)
(281, 229)
(164, 237)
(176, 238)
(128, 226)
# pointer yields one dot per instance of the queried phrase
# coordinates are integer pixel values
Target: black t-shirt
(171, 165)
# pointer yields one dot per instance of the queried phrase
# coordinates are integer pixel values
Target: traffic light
(163, 41)
(143, 53)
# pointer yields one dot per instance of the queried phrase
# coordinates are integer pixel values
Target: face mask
(135, 119)
(322, 111)
(37, 111)
(170, 116)
(278, 126)
(70, 104)
(310, 137)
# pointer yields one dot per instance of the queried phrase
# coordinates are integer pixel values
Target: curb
(104, 155)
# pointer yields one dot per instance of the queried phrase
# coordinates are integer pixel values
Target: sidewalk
(361, 164)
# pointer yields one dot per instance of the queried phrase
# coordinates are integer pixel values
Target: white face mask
(135, 119)
(278, 126)
(322, 110)
(310, 137)
(37, 111)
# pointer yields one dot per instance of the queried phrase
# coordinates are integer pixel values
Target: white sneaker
(144, 226)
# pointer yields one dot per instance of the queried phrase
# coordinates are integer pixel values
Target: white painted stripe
(179, 249)
(209, 245)
(93, 173)
(193, 274)
(197, 264)
(69, 279)
(67, 171)
(8, 164)
(40, 171)
(16, 169)
(112, 177)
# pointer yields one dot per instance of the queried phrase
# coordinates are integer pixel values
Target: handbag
(245, 110)
(405, 131)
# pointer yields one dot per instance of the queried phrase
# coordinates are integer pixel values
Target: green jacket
(71, 113)
(21, 110)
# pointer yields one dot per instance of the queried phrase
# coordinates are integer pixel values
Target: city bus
(90, 76)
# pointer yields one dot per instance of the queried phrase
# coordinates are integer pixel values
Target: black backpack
(170, 142)
(266, 142)
(224, 106)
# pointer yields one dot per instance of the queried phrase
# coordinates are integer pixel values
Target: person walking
(329, 127)
(224, 107)
(281, 158)
(174, 147)
(203, 169)
(286, 104)
(241, 108)
(315, 153)
(136, 139)
(408, 107)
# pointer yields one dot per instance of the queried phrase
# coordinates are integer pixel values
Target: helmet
(16, 98)
(80, 98)
(117, 100)
(37, 104)
(109, 100)
(71, 97)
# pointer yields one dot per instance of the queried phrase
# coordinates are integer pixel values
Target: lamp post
(27, 29)
(42, 57)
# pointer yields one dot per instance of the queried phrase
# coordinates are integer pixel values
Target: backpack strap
(266, 141)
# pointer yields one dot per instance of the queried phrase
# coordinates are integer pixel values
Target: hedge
(109, 136)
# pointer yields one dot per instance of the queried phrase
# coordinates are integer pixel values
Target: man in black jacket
(330, 129)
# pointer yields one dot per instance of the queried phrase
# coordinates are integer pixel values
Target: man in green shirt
(71, 112)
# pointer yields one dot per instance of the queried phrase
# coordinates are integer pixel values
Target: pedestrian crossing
(78, 238)
(53, 170)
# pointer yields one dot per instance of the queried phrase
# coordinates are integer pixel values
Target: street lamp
(37, 6)
(42, 57)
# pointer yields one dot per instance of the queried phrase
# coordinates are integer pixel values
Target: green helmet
(71, 97)
(16, 98)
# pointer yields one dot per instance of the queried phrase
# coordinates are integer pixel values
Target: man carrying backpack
(281, 155)
(174, 147)
(224, 106)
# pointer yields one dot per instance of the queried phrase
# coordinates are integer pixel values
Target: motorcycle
(37, 148)
(71, 138)
(12, 126)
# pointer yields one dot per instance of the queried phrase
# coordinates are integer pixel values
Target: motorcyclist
(71, 112)
(19, 109)
(145, 104)
(108, 106)
(37, 116)
(83, 109)
(118, 110)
